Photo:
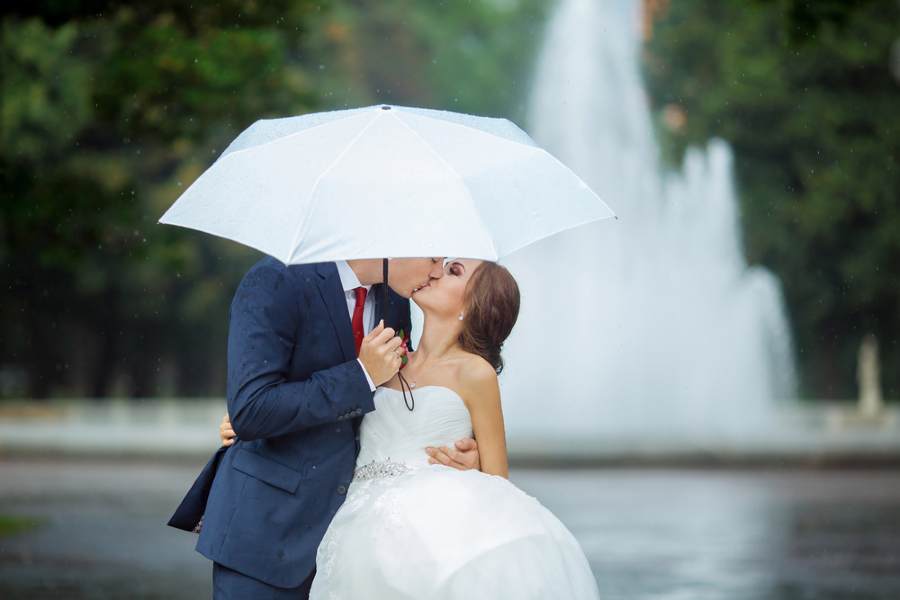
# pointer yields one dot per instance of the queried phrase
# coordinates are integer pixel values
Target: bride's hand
(463, 456)
(226, 432)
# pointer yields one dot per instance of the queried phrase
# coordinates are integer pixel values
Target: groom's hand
(463, 456)
(380, 353)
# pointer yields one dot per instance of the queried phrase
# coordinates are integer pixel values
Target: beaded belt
(380, 468)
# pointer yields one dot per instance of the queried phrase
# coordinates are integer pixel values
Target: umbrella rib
(296, 133)
(455, 173)
(560, 230)
(304, 227)
(532, 143)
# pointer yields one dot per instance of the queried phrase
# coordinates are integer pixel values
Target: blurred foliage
(474, 56)
(807, 94)
(15, 524)
(109, 109)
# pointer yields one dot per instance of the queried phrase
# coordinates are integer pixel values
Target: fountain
(650, 337)
(649, 332)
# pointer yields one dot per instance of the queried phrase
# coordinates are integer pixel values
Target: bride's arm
(481, 392)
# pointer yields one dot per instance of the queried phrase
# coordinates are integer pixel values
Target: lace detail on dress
(357, 495)
(368, 492)
(325, 558)
(389, 521)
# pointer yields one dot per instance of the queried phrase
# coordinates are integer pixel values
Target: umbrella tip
(385, 107)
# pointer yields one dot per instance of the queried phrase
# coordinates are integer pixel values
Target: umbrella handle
(384, 292)
(404, 385)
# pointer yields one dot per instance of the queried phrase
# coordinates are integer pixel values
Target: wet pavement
(667, 534)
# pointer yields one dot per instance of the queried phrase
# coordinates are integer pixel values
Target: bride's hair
(491, 307)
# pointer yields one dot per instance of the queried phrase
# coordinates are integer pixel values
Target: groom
(303, 365)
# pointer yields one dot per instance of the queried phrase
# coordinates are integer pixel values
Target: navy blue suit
(296, 395)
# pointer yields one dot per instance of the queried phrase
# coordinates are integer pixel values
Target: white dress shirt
(349, 281)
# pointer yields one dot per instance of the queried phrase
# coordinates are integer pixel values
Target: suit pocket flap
(266, 469)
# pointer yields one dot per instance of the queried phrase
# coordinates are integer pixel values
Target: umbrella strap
(411, 404)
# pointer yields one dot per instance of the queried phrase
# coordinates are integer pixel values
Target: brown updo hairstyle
(491, 307)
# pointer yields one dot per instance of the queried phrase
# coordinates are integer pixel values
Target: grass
(12, 524)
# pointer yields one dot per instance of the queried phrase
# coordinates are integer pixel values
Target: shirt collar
(349, 280)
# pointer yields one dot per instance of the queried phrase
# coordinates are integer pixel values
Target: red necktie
(358, 332)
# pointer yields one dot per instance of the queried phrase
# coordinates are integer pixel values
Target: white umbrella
(385, 181)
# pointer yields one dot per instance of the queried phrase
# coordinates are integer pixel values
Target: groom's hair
(491, 309)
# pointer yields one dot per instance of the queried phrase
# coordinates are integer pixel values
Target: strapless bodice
(393, 434)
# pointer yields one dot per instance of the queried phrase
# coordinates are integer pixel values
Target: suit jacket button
(280, 553)
(342, 489)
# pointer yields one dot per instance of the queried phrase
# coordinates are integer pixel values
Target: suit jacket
(296, 396)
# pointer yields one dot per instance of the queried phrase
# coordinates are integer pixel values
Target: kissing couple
(343, 477)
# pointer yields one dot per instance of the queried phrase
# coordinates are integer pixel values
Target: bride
(411, 528)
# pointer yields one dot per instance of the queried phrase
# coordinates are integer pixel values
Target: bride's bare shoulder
(478, 378)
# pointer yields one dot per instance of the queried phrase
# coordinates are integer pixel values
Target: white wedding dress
(410, 530)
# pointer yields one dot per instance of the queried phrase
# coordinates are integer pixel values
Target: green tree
(110, 109)
(472, 56)
(804, 92)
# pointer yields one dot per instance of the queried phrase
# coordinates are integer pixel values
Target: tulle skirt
(437, 533)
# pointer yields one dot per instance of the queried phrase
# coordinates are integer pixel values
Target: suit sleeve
(262, 403)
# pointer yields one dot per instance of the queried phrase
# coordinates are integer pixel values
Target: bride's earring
(460, 316)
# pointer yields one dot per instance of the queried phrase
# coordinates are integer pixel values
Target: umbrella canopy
(385, 181)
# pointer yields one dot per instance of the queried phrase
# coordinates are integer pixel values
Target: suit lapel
(329, 283)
